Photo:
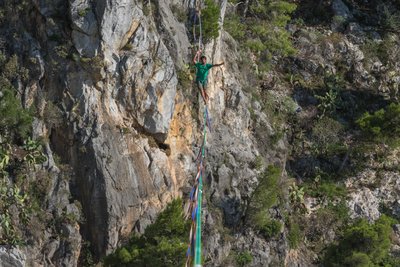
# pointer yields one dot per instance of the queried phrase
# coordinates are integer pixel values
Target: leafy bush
(209, 18)
(234, 26)
(14, 121)
(264, 197)
(325, 189)
(163, 243)
(266, 30)
(362, 244)
(294, 235)
(296, 197)
(389, 17)
(244, 258)
(262, 30)
(326, 134)
(270, 228)
(382, 125)
(15, 209)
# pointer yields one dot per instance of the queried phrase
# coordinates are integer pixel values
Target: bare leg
(206, 95)
(203, 92)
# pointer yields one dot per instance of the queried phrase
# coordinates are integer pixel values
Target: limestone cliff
(116, 108)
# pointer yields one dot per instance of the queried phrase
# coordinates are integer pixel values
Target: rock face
(121, 178)
(85, 31)
(12, 257)
(371, 190)
(130, 132)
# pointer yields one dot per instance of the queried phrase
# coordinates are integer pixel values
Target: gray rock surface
(85, 31)
(365, 202)
(12, 257)
(128, 133)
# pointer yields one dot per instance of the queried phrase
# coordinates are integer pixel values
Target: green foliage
(264, 197)
(162, 244)
(389, 18)
(382, 125)
(278, 110)
(234, 26)
(4, 158)
(209, 18)
(331, 100)
(86, 257)
(327, 103)
(62, 51)
(294, 235)
(270, 228)
(34, 152)
(326, 135)
(83, 12)
(267, 28)
(325, 189)
(263, 31)
(266, 193)
(362, 244)
(14, 121)
(244, 258)
(296, 196)
(374, 49)
(15, 208)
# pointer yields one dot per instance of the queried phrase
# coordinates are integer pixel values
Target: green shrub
(209, 18)
(272, 17)
(14, 121)
(326, 190)
(389, 18)
(382, 125)
(163, 243)
(266, 193)
(362, 244)
(244, 258)
(296, 197)
(264, 197)
(235, 27)
(262, 30)
(270, 228)
(294, 235)
(15, 211)
(374, 49)
(326, 134)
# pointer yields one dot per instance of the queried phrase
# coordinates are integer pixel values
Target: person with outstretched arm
(202, 72)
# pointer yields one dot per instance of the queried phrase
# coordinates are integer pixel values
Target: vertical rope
(196, 195)
(196, 200)
(201, 35)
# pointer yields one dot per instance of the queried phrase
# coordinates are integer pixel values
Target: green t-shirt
(202, 71)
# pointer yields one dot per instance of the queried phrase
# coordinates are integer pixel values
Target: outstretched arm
(220, 64)
(197, 57)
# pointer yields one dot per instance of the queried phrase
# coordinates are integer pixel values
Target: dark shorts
(202, 85)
